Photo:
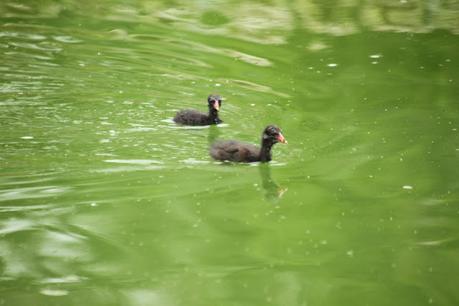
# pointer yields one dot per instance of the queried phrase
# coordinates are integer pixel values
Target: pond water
(105, 201)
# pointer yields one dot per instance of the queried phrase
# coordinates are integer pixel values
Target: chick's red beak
(281, 138)
(216, 105)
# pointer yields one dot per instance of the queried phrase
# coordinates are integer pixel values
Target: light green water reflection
(105, 201)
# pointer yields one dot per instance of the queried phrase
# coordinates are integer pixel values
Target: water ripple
(133, 161)
(31, 192)
(15, 225)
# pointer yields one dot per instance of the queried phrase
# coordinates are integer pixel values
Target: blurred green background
(105, 201)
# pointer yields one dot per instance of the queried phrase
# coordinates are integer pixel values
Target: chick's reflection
(214, 133)
(273, 192)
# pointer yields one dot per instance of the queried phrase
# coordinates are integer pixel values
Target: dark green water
(105, 201)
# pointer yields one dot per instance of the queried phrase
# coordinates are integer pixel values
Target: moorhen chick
(236, 151)
(193, 117)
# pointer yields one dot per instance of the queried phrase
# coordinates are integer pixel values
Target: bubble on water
(407, 187)
(27, 137)
(350, 253)
(332, 65)
(376, 56)
(375, 62)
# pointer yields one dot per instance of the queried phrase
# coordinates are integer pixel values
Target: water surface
(105, 201)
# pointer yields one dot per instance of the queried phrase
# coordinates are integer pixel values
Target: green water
(105, 201)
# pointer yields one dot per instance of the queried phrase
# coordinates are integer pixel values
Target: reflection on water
(273, 192)
(260, 22)
(214, 134)
(104, 200)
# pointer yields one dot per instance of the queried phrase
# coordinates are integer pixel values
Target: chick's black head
(274, 133)
(215, 101)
